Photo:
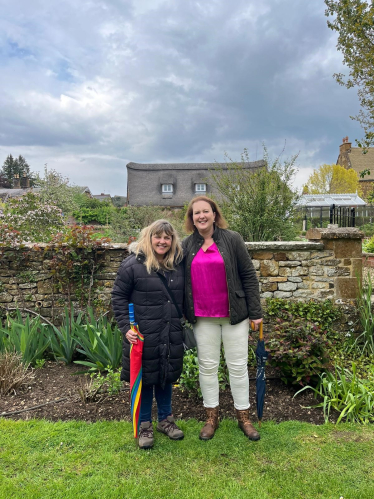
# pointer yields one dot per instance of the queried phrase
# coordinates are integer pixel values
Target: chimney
(102, 194)
(25, 181)
(16, 182)
(345, 146)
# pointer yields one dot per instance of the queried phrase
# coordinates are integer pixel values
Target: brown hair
(219, 221)
(144, 245)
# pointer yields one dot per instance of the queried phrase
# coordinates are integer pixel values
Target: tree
(332, 179)
(15, 166)
(35, 220)
(354, 23)
(259, 205)
(55, 189)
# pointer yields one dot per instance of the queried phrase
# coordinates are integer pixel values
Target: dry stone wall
(324, 267)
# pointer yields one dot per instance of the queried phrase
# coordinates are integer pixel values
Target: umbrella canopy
(261, 358)
(136, 353)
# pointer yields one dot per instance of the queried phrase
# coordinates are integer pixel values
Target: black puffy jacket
(242, 282)
(156, 316)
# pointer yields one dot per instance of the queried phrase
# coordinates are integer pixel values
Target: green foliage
(260, 204)
(111, 382)
(54, 189)
(35, 220)
(353, 20)
(189, 379)
(129, 221)
(299, 349)
(119, 201)
(345, 392)
(324, 314)
(368, 229)
(93, 211)
(368, 245)
(100, 341)
(63, 339)
(39, 363)
(28, 337)
(364, 343)
(76, 260)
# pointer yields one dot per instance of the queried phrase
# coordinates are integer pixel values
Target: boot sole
(146, 447)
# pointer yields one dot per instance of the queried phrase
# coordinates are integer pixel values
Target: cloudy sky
(89, 85)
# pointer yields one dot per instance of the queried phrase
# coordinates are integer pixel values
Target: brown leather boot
(246, 426)
(211, 424)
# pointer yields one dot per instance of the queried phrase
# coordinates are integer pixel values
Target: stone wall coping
(251, 246)
(49, 245)
(367, 254)
(339, 233)
(284, 246)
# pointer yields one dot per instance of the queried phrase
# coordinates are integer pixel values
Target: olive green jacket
(242, 282)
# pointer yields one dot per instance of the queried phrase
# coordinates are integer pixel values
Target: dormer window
(167, 189)
(200, 188)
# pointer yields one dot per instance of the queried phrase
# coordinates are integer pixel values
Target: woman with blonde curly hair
(155, 260)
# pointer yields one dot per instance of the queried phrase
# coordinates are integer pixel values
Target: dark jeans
(163, 399)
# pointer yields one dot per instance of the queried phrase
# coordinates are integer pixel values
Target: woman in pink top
(221, 295)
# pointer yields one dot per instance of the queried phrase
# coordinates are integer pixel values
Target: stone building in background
(353, 157)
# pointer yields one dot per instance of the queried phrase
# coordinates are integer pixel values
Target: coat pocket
(240, 293)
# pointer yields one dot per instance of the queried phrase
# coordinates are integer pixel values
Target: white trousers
(209, 333)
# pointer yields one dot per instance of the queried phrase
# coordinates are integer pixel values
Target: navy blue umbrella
(261, 358)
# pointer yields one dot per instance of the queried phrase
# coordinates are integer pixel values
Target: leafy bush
(367, 229)
(189, 379)
(13, 373)
(321, 313)
(92, 210)
(260, 204)
(368, 245)
(299, 349)
(35, 220)
(63, 339)
(28, 337)
(364, 343)
(100, 341)
(345, 392)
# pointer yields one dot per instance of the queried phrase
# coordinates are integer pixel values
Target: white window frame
(201, 188)
(167, 188)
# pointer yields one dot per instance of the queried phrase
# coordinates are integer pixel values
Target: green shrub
(298, 349)
(368, 245)
(321, 313)
(189, 379)
(345, 392)
(100, 342)
(368, 230)
(28, 337)
(63, 339)
(364, 343)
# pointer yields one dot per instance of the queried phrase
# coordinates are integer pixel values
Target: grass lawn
(39, 459)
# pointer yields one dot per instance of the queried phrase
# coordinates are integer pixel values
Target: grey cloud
(165, 80)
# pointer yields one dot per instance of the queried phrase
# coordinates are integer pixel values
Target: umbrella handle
(261, 329)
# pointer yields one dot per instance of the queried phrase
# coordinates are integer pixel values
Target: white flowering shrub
(35, 220)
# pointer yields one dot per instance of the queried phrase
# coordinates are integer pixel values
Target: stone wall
(323, 267)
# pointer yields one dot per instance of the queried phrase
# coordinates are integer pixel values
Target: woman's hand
(132, 337)
(256, 323)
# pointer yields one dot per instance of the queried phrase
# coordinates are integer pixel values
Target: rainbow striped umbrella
(136, 352)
